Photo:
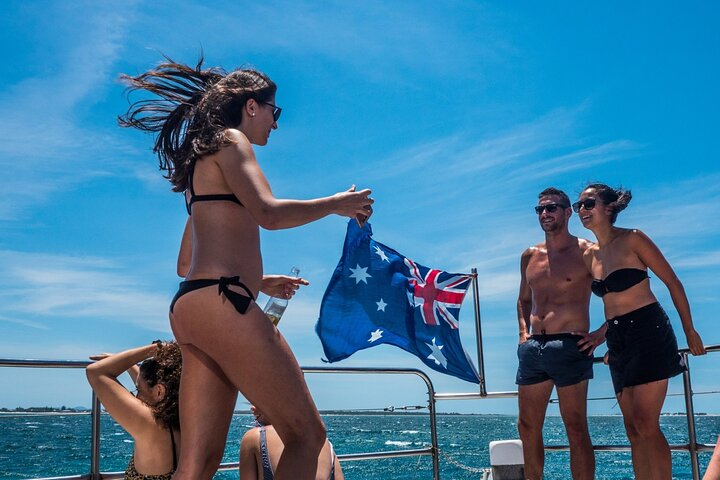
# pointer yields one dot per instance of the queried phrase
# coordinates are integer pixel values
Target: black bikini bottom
(239, 301)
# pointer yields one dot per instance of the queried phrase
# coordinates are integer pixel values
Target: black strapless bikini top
(619, 280)
(215, 197)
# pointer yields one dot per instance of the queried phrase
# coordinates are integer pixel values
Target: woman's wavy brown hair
(194, 108)
(164, 369)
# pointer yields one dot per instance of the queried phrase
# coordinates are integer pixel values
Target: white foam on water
(398, 443)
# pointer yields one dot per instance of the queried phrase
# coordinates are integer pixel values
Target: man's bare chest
(553, 271)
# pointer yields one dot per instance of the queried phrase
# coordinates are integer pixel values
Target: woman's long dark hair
(165, 369)
(194, 109)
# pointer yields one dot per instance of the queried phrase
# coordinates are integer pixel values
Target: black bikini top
(215, 197)
(619, 280)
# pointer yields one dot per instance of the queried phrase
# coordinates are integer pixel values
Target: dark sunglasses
(276, 110)
(550, 207)
(587, 204)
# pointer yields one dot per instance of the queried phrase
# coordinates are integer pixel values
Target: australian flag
(376, 296)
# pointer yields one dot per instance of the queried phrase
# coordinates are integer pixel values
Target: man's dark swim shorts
(642, 347)
(553, 357)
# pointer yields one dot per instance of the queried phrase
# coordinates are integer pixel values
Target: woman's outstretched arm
(651, 256)
(247, 181)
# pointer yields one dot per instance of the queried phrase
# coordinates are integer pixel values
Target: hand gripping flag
(377, 296)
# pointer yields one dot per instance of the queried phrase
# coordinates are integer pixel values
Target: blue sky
(456, 114)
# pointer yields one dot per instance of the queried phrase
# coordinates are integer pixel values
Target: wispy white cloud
(583, 158)
(57, 349)
(544, 147)
(677, 211)
(54, 289)
(373, 38)
(23, 322)
(699, 260)
(46, 147)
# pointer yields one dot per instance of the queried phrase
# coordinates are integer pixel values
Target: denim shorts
(553, 357)
(642, 347)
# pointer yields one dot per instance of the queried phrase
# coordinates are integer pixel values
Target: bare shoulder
(631, 236)
(637, 240)
(252, 436)
(634, 234)
(236, 136)
(532, 251)
(249, 453)
(539, 248)
(239, 146)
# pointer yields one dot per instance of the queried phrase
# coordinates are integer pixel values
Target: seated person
(151, 417)
(261, 448)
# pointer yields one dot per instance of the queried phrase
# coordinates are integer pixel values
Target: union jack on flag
(436, 293)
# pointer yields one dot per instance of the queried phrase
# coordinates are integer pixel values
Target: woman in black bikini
(206, 122)
(151, 416)
(642, 348)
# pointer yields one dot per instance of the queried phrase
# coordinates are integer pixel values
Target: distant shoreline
(42, 410)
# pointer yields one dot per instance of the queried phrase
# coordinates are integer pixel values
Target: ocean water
(55, 445)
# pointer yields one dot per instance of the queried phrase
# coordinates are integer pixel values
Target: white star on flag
(376, 335)
(436, 354)
(381, 254)
(381, 305)
(360, 274)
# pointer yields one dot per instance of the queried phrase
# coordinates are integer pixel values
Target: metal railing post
(95, 438)
(478, 332)
(433, 429)
(690, 414)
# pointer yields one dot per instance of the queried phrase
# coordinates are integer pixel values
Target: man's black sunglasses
(587, 204)
(276, 111)
(550, 207)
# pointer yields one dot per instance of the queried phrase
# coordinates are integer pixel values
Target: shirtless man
(555, 348)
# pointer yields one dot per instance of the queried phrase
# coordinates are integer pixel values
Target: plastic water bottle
(275, 307)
